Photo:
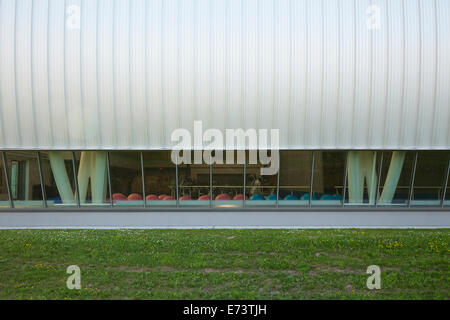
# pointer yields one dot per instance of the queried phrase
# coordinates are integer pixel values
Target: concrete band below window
(275, 218)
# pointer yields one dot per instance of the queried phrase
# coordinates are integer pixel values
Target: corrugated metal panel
(127, 73)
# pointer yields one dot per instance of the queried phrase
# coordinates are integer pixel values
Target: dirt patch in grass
(315, 271)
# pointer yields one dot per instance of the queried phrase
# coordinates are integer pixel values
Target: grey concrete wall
(226, 219)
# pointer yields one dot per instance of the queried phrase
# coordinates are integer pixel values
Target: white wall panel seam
(146, 92)
(436, 73)
(33, 91)
(339, 66)
(66, 118)
(114, 74)
(99, 118)
(402, 118)
(2, 126)
(387, 88)
(322, 113)
(49, 108)
(17, 106)
(418, 130)
(130, 77)
(82, 62)
(352, 141)
(307, 58)
(371, 112)
(163, 99)
(436, 70)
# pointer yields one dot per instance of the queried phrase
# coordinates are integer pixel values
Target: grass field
(224, 264)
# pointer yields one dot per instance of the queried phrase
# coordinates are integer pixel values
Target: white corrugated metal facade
(329, 74)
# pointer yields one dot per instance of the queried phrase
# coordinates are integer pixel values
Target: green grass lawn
(224, 264)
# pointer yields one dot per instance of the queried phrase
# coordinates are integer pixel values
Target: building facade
(91, 93)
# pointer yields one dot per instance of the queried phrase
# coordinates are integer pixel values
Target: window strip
(245, 176)
(75, 179)
(413, 177)
(344, 192)
(379, 179)
(108, 170)
(311, 182)
(176, 181)
(41, 179)
(143, 179)
(278, 181)
(210, 185)
(445, 184)
(8, 186)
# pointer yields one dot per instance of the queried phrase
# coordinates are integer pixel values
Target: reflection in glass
(4, 198)
(328, 181)
(24, 179)
(58, 178)
(160, 178)
(228, 182)
(447, 186)
(429, 179)
(260, 189)
(295, 177)
(126, 178)
(193, 182)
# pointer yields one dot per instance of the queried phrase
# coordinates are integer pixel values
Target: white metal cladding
(127, 73)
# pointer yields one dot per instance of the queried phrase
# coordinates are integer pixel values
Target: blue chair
(306, 197)
(271, 197)
(328, 197)
(291, 197)
(337, 197)
(56, 200)
(257, 196)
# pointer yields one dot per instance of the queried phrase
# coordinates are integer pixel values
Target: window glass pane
(92, 178)
(228, 183)
(160, 186)
(429, 180)
(362, 177)
(295, 177)
(447, 192)
(58, 177)
(328, 184)
(395, 178)
(193, 180)
(24, 179)
(126, 178)
(261, 189)
(4, 199)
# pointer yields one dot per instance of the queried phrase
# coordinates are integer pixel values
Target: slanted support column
(93, 167)
(395, 169)
(371, 175)
(8, 186)
(83, 175)
(61, 177)
(355, 181)
(98, 177)
(361, 167)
